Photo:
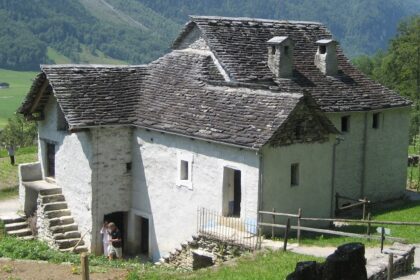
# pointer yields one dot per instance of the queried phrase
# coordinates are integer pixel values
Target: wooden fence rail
(300, 228)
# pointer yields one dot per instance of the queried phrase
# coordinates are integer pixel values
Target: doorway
(144, 238)
(50, 160)
(232, 192)
(118, 218)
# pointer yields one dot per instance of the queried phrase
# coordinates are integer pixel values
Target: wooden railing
(356, 203)
(299, 228)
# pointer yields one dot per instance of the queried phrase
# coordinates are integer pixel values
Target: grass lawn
(11, 98)
(9, 173)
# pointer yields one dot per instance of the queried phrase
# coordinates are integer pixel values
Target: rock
(347, 263)
(202, 259)
(305, 271)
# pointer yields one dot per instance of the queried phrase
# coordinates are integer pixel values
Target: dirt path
(9, 207)
(30, 270)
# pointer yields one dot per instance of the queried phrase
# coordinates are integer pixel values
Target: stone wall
(191, 254)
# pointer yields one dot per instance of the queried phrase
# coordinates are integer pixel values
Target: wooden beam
(39, 96)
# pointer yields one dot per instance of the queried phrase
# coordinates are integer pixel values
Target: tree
(18, 132)
(399, 67)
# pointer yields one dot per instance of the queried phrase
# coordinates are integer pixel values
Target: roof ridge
(193, 17)
(74, 65)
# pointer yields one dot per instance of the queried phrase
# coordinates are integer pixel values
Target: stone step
(50, 191)
(65, 220)
(67, 235)
(68, 243)
(52, 198)
(20, 232)
(57, 213)
(15, 226)
(78, 250)
(63, 228)
(55, 206)
(12, 220)
(28, 237)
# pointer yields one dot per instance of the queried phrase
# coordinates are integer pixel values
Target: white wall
(171, 208)
(385, 161)
(313, 193)
(72, 166)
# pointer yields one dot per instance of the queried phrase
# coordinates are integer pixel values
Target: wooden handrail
(279, 214)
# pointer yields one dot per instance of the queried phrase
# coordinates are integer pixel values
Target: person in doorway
(115, 242)
(105, 237)
(11, 153)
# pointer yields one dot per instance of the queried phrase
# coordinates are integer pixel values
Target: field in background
(12, 97)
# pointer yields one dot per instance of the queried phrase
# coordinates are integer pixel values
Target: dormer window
(280, 56)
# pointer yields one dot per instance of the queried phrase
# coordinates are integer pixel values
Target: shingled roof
(217, 89)
(240, 45)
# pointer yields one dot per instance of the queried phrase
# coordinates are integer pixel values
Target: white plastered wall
(384, 155)
(313, 193)
(72, 166)
(172, 207)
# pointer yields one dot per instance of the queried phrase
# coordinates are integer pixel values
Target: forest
(138, 31)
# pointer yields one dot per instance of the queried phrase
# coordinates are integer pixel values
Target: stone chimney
(326, 57)
(280, 56)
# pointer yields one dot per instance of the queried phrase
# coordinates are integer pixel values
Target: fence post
(390, 266)
(286, 234)
(382, 238)
(84, 266)
(368, 225)
(364, 208)
(274, 222)
(298, 224)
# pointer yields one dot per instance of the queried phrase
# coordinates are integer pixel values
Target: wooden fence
(299, 228)
(355, 203)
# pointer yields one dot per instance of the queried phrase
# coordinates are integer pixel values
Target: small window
(376, 120)
(128, 167)
(273, 50)
(184, 174)
(286, 50)
(294, 175)
(322, 49)
(345, 124)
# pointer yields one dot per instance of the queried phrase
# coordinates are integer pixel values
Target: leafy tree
(399, 67)
(18, 132)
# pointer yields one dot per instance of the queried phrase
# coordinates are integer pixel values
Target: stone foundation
(349, 263)
(202, 252)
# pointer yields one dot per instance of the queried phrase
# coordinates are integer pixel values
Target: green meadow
(12, 97)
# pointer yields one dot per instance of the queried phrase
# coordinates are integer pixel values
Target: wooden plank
(39, 96)
(333, 232)
(352, 205)
(84, 266)
(279, 214)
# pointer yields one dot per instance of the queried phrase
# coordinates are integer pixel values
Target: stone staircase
(18, 226)
(57, 221)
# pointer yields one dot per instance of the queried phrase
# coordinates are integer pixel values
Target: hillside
(138, 31)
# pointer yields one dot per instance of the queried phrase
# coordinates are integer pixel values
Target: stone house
(243, 114)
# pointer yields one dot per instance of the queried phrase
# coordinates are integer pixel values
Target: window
(375, 120)
(184, 176)
(322, 49)
(128, 167)
(345, 124)
(294, 175)
(286, 50)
